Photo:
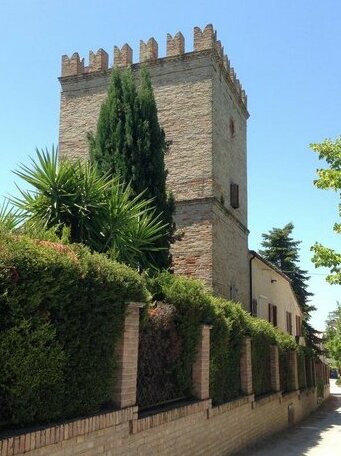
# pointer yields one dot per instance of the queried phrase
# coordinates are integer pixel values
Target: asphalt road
(318, 435)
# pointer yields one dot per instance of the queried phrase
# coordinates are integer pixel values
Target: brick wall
(193, 429)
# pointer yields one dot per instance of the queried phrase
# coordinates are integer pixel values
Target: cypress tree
(129, 142)
(283, 251)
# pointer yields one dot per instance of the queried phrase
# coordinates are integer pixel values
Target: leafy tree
(282, 250)
(329, 178)
(333, 336)
(130, 143)
(97, 211)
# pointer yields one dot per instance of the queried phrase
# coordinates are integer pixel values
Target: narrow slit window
(234, 194)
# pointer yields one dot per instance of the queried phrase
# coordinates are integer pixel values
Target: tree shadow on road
(298, 440)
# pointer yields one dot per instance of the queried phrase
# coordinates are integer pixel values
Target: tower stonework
(202, 108)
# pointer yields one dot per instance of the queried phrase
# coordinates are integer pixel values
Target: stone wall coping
(139, 305)
(290, 395)
(308, 391)
(228, 406)
(28, 441)
(259, 402)
(148, 422)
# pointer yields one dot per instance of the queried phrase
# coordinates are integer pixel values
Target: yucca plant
(9, 216)
(97, 210)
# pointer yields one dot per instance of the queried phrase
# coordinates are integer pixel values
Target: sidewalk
(318, 435)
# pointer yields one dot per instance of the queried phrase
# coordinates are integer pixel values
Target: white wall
(269, 286)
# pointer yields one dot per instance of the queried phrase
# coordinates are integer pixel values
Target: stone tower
(202, 108)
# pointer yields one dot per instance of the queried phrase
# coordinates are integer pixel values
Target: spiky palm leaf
(9, 217)
(99, 211)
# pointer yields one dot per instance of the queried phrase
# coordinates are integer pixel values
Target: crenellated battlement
(73, 65)
(176, 45)
(203, 40)
(149, 51)
(123, 56)
(98, 61)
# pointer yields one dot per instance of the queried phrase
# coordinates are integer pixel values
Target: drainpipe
(250, 271)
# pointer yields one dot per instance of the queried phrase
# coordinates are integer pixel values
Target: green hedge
(230, 325)
(61, 314)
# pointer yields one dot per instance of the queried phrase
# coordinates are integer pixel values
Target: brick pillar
(274, 368)
(293, 369)
(201, 366)
(246, 367)
(124, 394)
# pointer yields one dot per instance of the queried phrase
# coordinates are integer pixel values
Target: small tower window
(234, 195)
(254, 308)
(232, 127)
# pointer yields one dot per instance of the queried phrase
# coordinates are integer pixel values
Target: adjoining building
(273, 298)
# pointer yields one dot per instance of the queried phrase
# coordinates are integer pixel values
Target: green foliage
(328, 258)
(283, 251)
(130, 143)
(9, 217)
(230, 325)
(71, 199)
(333, 336)
(329, 178)
(32, 371)
(61, 313)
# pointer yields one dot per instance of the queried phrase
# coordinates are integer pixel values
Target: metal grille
(261, 372)
(284, 371)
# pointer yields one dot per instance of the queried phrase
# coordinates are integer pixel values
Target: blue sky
(286, 54)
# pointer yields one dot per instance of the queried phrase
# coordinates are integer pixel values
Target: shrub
(61, 314)
(32, 380)
(230, 325)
